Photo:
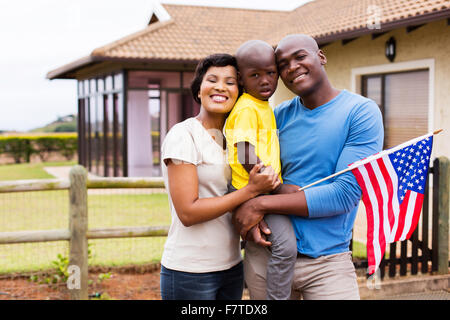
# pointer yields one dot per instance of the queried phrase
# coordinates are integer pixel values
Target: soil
(119, 286)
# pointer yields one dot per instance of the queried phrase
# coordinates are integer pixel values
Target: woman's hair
(214, 60)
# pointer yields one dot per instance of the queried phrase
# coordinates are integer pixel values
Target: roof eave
(384, 27)
(66, 72)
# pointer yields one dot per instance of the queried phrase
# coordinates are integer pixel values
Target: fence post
(78, 226)
(443, 216)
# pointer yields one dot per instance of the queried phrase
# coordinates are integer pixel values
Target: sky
(41, 35)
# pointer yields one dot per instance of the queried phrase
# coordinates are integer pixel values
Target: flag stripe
(416, 215)
(370, 219)
(394, 200)
(409, 214)
(402, 216)
(372, 233)
(389, 193)
(383, 182)
(379, 199)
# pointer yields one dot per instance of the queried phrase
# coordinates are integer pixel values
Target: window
(403, 100)
(101, 124)
(154, 105)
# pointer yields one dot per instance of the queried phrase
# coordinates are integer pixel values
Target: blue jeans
(218, 285)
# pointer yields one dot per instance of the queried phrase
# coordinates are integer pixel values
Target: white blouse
(212, 245)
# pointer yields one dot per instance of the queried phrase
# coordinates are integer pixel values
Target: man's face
(300, 66)
(260, 78)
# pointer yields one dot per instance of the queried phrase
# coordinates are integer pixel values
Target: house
(131, 91)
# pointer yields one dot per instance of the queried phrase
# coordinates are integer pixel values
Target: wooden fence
(434, 258)
(78, 233)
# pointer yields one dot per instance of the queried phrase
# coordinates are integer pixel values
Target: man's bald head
(301, 40)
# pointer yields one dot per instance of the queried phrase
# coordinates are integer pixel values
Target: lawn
(23, 171)
(45, 210)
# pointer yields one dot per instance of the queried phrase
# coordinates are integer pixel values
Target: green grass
(359, 250)
(23, 171)
(46, 210)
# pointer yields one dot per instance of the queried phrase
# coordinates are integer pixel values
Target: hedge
(21, 147)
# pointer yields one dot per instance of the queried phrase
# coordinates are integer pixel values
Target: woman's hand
(263, 179)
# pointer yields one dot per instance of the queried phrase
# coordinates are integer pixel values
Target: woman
(201, 258)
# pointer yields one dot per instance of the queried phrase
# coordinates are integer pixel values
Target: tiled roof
(194, 31)
(327, 19)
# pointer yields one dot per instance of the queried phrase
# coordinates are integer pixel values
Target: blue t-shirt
(317, 143)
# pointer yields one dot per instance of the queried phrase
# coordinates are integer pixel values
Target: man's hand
(258, 233)
(247, 215)
(286, 189)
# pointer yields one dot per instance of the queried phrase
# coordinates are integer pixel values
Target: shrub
(21, 147)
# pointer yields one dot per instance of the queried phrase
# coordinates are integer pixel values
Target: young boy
(251, 135)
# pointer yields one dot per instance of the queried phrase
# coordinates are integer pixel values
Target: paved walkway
(432, 295)
(62, 172)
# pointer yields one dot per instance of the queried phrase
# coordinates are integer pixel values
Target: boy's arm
(247, 158)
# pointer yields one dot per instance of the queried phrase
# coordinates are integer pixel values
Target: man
(321, 131)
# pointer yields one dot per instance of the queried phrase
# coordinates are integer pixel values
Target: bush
(21, 147)
(66, 127)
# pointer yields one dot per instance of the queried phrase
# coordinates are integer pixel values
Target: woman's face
(219, 89)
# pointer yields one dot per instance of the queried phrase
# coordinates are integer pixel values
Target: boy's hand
(263, 182)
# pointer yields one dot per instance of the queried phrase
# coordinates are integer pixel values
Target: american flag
(393, 186)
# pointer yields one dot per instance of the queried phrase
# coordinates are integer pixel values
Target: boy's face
(259, 77)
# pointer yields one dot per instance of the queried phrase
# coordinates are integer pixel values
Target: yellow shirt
(252, 120)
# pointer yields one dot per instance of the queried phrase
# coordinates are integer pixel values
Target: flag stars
(411, 166)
